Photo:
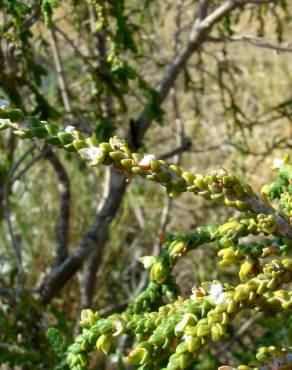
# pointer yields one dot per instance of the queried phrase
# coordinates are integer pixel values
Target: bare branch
(197, 36)
(113, 308)
(27, 167)
(256, 41)
(60, 73)
(259, 2)
(108, 208)
(71, 43)
(202, 9)
(20, 161)
(184, 147)
(62, 227)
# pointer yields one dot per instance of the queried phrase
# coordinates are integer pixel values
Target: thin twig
(60, 73)
(202, 10)
(259, 2)
(239, 334)
(19, 162)
(27, 167)
(184, 147)
(253, 40)
(14, 238)
(73, 46)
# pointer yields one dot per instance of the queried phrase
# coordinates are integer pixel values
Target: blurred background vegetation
(96, 65)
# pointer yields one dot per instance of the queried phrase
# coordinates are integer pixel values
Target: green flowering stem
(230, 251)
(171, 335)
(176, 332)
(267, 358)
(217, 185)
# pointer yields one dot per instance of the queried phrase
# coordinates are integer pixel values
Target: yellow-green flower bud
(242, 206)
(176, 169)
(282, 294)
(229, 181)
(187, 320)
(262, 287)
(240, 295)
(104, 343)
(232, 307)
(159, 272)
(217, 197)
(185, 360)
(203, 328)
(82, 359)
(229, 202)
(199, 182)
(188, 177)
(65, 137)
(117, 156)
(127, 163)
(39, 132)
(126, 150)
(287, 305)
(232, 225)
(87, 318)
(53, 140)
(227, 261)
(138, 171)
(138, 356)
(226, 253)
(79, 144)
(92, 141)
(287, 263)
(217, 330)
(137, 157)
(106, 147)
(70, 148)
(177, 249)
(193, 342)
(246, 268)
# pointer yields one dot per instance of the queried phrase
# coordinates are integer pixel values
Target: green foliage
(169, 331)
(23, 340)
(47, 9)
(97, 68)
